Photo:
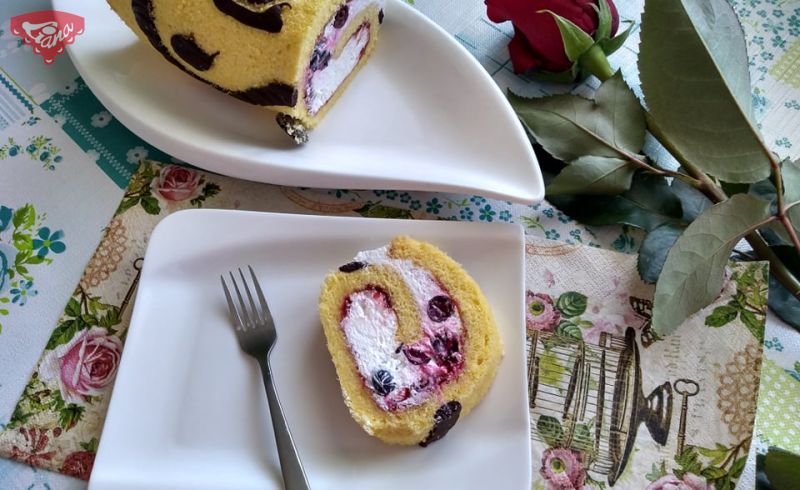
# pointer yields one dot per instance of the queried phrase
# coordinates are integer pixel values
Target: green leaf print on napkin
(24, 243)
(550, 430)
(748, 304)
(571, 304)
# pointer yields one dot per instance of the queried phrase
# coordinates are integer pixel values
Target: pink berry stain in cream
(326, 74)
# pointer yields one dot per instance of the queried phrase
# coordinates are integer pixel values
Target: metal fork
(256, 333)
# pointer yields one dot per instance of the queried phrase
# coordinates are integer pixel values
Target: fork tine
(266, 315)
(244, 314)
(237, 321)
(253, 310)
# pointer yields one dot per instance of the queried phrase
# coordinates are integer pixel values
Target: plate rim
(286, 174)
(515, 231)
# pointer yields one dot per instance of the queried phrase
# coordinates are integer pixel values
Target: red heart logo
(47, 31)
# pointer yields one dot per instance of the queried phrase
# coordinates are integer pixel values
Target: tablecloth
(64, 162)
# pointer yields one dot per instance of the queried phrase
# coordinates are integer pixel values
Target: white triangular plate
(422, 115)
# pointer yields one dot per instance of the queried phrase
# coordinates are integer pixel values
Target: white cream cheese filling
(370, 328)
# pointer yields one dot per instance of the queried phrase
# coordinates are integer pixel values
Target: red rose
(537, 42)
(176, 183)
(78, 464)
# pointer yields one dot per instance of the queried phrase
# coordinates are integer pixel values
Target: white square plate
(189, 410)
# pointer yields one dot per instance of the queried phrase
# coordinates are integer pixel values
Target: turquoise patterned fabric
(88, 123)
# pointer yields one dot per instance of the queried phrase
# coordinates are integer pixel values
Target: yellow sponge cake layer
(412, 339)
(293, 56)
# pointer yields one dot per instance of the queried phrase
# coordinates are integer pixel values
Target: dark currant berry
(341, 17)
(352, 266)
(319, 60)
(440, 308)
(443, 420)
(416, 356)
(383, 382)
(446, 349)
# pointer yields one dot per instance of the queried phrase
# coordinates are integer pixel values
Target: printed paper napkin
(612, 404)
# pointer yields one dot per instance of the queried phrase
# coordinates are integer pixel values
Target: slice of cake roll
(292, 56)
(412, 338)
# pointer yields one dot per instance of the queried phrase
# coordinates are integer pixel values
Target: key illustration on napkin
(597, 373)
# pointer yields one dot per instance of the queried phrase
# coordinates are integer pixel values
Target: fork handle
(294, 477)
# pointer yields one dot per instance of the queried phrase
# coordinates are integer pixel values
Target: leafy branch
(728, 184)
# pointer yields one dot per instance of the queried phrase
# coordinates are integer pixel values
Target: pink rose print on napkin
(540, 312)
(84, 365)
(176, 183)
(562, 469)
(672, 482)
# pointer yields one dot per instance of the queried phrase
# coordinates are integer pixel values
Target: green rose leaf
(697, 86)
(693, 202)
(550, 430)
(791, 180)
(791, 185)
(571, 304)
(692, 274)
(721, 316)
(569, 127)
(654, 249)
(593, 175)
(566, 328)
(649, 203)
(782, 468)
(781, 301)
